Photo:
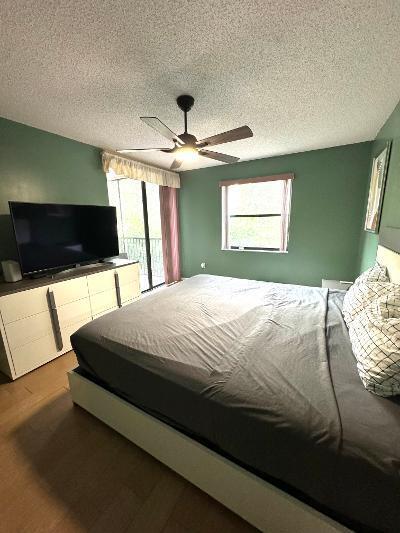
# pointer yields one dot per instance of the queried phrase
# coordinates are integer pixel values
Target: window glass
(255, 198)
(127, 196)
(154, 217)
(255, 232)
(256, 215)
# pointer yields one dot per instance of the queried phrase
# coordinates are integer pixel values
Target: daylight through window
(139, 226)
(255, 214)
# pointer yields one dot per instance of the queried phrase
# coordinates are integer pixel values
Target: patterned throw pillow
(376, 345)
(375, 273)
(362, 295)
(388, 306)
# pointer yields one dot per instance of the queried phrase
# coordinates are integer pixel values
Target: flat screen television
(57, 236)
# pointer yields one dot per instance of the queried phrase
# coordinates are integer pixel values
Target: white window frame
(285, 211)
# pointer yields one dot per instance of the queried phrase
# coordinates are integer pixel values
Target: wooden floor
(62, 470)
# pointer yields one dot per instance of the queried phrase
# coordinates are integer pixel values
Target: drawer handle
(54, 319)
(117, 289)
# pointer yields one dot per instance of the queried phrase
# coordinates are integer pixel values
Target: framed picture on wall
(376, 189)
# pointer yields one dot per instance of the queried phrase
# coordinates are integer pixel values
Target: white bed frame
(260, 503)
(255, 500)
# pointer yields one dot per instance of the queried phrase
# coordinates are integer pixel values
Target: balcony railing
(135, 247)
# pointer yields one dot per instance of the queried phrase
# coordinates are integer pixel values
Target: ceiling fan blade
(127, 150)
(175, 164)
(159, 126)
(225, 158)
(226, 137)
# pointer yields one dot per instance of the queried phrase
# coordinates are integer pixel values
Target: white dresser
(37, 317)
(336, 284)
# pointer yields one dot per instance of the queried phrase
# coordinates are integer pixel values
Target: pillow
(375, 273)
(361, 295)
(376, 345)
(388, 306)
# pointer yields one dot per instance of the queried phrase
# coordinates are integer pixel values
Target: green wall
(391, 202)
(36, 166)
(326, 217)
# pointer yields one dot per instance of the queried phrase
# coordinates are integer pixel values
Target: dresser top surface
(29, 283)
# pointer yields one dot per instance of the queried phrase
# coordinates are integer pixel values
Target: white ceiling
(303, 74)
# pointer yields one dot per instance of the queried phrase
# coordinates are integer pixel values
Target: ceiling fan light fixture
(187, 153)
(187, 148)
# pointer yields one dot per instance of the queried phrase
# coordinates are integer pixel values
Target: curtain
(116, 167)
(170, 233)
(286, 197)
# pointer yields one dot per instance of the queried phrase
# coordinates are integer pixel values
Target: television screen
(53, 236)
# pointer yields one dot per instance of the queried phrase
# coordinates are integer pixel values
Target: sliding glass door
(139, 226)
(154, 218)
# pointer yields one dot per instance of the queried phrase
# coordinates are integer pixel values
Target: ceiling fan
(186, 146)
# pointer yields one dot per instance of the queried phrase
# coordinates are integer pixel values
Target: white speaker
(11, 270)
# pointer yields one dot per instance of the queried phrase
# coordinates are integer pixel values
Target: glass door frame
(147, 240)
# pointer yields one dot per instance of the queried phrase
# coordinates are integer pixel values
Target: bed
(249, 390)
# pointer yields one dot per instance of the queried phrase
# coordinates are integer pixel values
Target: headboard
(389, 252)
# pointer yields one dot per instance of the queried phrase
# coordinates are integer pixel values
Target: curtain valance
(129, 168)
(261, 179)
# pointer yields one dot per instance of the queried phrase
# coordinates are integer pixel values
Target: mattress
(264, 374)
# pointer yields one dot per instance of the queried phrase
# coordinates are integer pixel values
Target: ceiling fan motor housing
(185, 102)
(187, 138)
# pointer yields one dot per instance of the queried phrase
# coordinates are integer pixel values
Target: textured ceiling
(303, 74)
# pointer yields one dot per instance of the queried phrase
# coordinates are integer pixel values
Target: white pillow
(361, 295)
(388, 306)
(375, 273)
(376, 345)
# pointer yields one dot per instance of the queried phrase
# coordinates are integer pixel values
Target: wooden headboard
(389, 252)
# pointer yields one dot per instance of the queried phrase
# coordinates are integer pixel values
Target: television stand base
(37, 275)
(74, 270)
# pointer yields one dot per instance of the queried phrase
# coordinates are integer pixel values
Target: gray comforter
(247, 367)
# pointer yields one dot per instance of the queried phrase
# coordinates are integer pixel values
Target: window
(255, 213)
(139, 226)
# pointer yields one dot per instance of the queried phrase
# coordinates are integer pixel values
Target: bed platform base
(260, 503)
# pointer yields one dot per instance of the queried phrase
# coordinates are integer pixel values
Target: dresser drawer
(70, 290)
(73, 312)
(100, 282)
(128, 274)
(31, 355)
(129, 292)
(103, 301)
(127, 302)
(23, 304)
(103, 313)
(28, 329)
(67, 332)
